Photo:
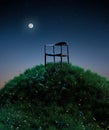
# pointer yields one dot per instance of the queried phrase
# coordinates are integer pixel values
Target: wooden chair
(55, 54)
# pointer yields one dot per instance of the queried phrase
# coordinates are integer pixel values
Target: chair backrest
(61, 44)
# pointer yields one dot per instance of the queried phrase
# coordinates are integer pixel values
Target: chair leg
(45, 55)
(61, 55)
(54, 54)
(67, 54)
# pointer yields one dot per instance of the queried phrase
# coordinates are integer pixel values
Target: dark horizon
(84, 25)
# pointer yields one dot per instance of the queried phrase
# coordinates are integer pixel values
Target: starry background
(83, 24)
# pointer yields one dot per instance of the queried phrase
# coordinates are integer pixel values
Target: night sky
(83, 24)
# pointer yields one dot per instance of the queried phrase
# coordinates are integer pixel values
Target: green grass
(55, 98)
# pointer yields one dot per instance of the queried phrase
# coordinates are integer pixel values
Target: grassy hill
(55, 98)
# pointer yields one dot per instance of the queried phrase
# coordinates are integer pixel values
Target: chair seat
(59, 54)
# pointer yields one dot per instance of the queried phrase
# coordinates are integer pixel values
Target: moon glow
(30, 25)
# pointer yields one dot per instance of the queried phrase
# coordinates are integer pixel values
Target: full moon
(30, 25)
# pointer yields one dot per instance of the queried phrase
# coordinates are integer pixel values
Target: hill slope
(55, 98)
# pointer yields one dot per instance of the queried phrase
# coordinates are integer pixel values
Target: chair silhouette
(55, 54)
